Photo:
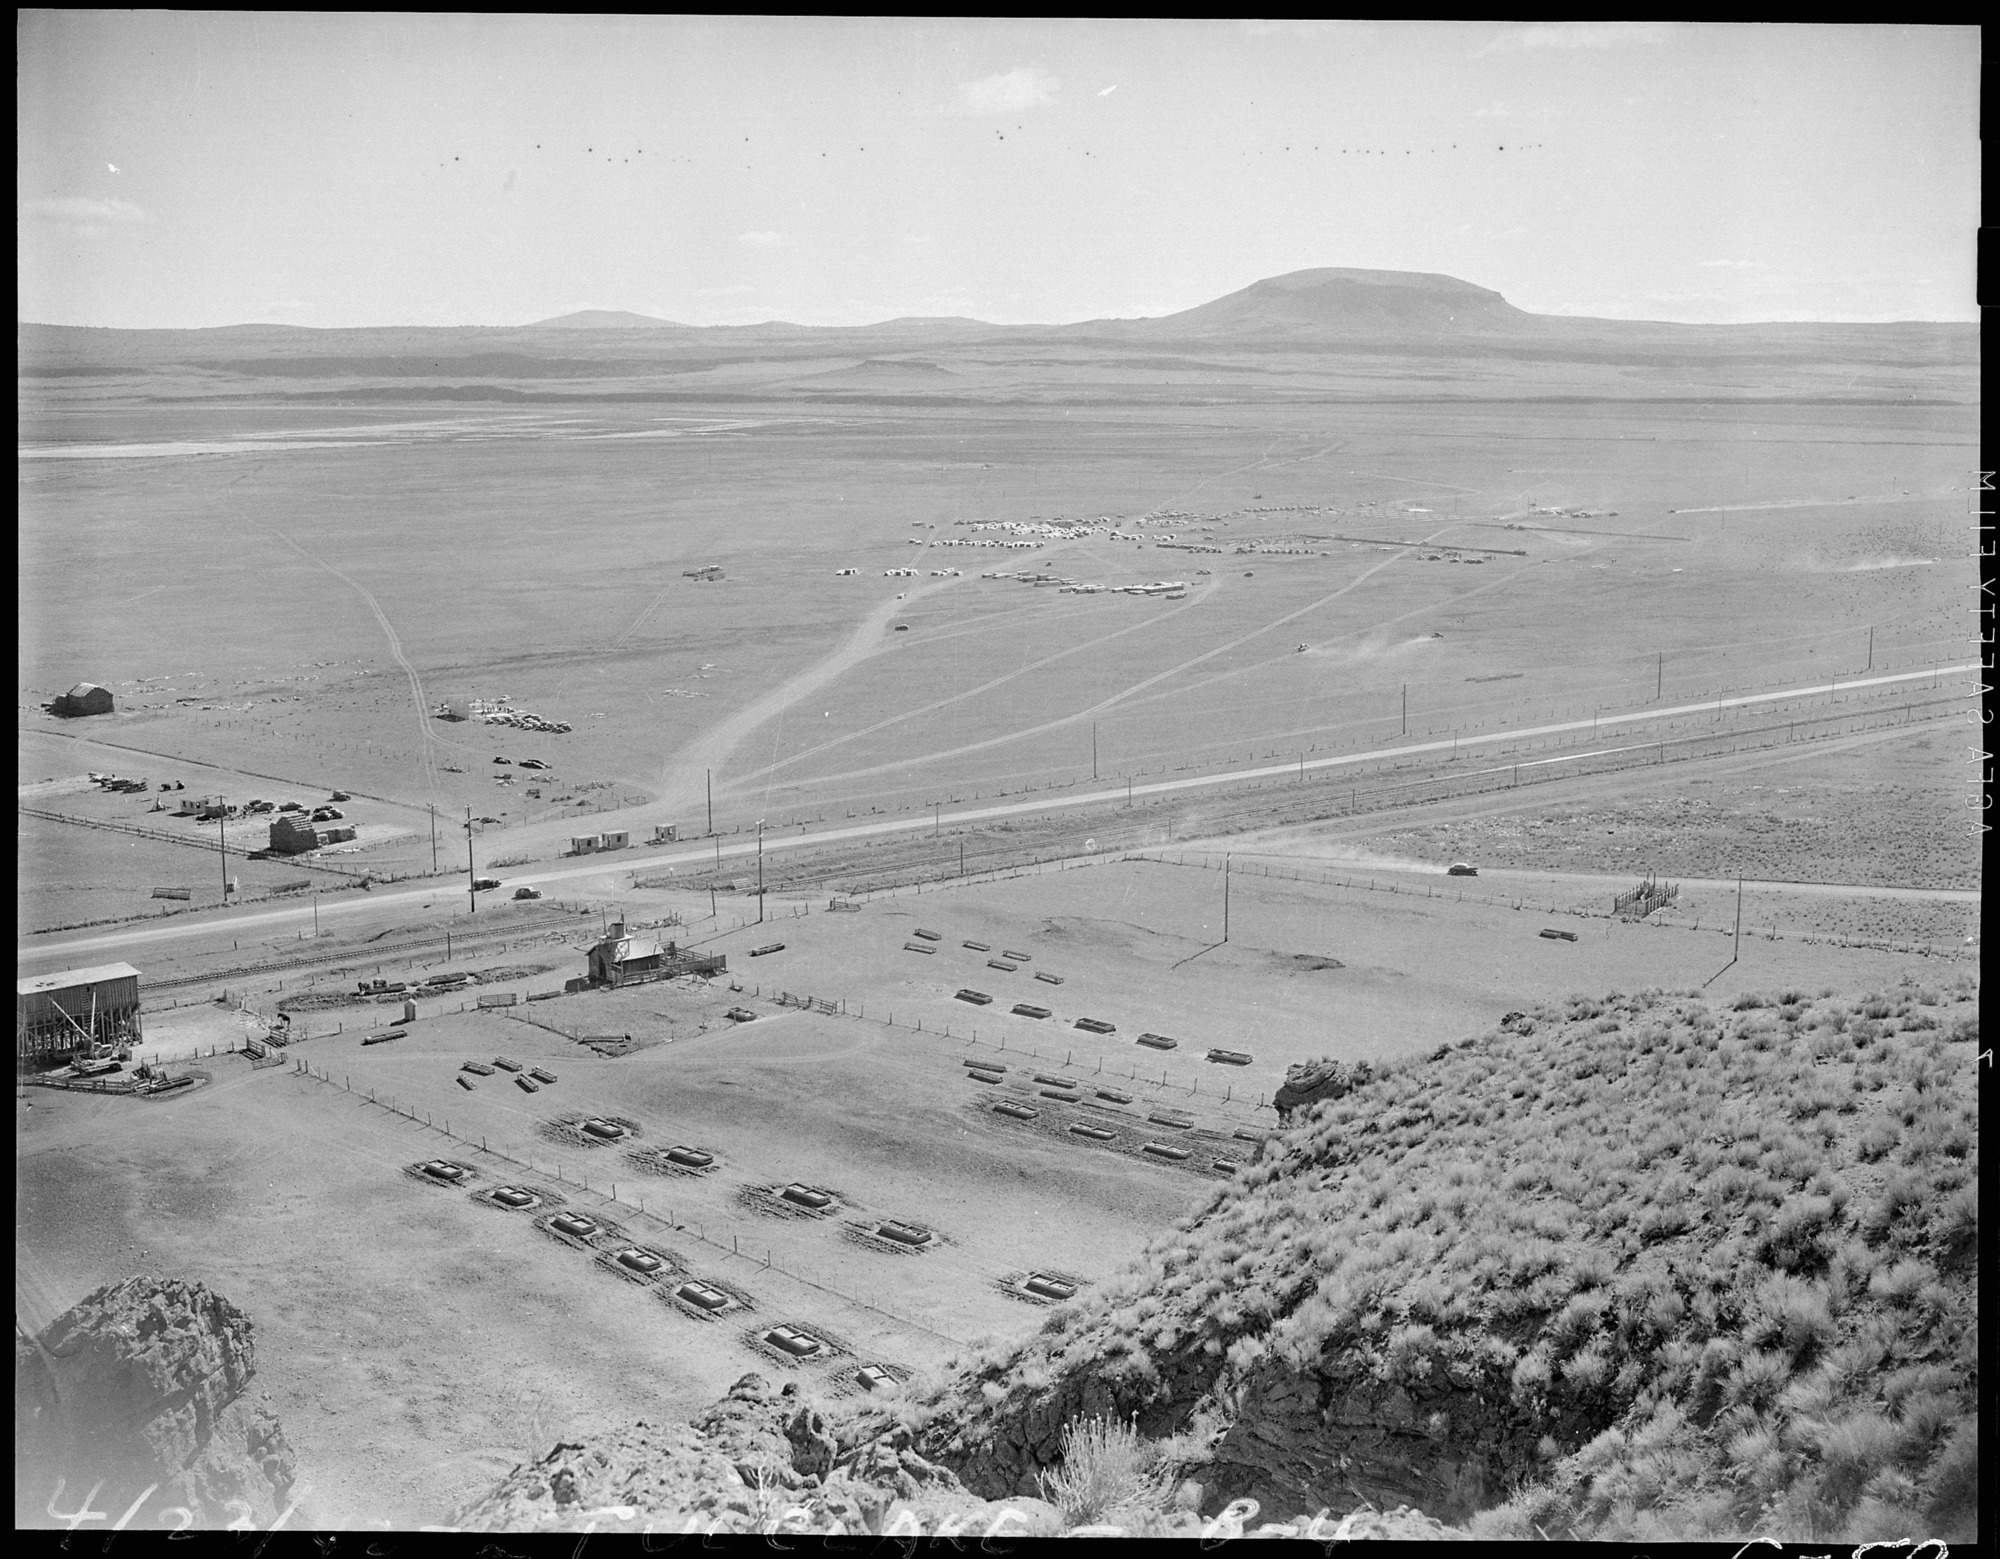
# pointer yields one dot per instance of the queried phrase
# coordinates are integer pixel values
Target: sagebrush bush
(1590, 1231)
(1105, 1465)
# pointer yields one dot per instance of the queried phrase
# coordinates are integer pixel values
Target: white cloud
(81, 210)
(1579, 35)
(1008, 93)
(767, 240)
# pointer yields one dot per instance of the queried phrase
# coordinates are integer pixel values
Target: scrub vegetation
(1660, 1269)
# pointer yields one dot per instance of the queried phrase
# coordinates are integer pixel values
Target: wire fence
(1657, 920)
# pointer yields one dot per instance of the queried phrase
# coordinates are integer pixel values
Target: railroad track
(370, 952)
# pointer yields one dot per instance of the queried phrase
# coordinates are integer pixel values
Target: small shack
(632, 960)
(79, 1011)
(86, 698)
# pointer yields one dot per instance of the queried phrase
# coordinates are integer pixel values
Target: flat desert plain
(297, 611)
(1571, 618)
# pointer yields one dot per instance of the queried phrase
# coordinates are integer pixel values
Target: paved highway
(244, 922)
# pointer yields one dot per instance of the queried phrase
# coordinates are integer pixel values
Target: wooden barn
(57, 1016)
(86, 698)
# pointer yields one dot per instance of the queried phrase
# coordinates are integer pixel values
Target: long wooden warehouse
(56, 1015)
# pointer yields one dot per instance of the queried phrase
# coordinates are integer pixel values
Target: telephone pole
(222, 842)
(471, 888)
(760, 871)
(434, 837)
(1225, 898)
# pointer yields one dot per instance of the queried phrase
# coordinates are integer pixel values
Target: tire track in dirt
(984, 687)
(427, 739)
(1136, 688)
(713, 747)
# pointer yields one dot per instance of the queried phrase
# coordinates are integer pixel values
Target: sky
(193, 169)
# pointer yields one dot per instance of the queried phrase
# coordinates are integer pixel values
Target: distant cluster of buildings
(1172, 589)
(499, 711)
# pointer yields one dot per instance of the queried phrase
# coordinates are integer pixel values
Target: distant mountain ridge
(1339, 302)
(1340, 314)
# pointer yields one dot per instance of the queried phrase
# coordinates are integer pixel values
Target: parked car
(532, 763)
(1461, 869)
(527, 893)
(485, 882)
(341, 795)
(290, 806)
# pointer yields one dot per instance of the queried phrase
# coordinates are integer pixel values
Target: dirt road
(810, 838)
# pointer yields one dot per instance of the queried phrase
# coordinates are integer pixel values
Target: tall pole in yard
(471, 890)
(222, 843)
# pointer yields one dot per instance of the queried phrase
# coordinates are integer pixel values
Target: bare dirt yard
(416, 1341)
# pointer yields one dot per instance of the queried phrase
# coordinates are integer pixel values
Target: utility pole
(710, 781)
(937, 819)
(961, 857)
(760, 871)
(1659, 676)
(1225, 898)
(222, 841)
(315, 914)
(471, 892)
(1871, 650)
(434, 837)
(1736, 948)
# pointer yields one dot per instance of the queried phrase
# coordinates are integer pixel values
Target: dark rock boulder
(1311, 1081)
(140, 1387)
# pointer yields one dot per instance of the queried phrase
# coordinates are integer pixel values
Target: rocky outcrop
(760, 1460)
(1311, 1081)
(140, 1387)
(1304, 1442)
